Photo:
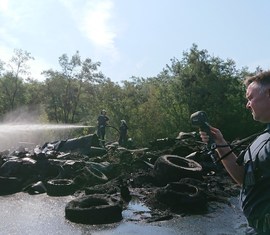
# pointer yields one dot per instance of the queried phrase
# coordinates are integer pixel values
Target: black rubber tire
(182, 196)
(98, 176)
(94, 209)
(60, 187)
(204, 160)
(171, 168)
(9, 185)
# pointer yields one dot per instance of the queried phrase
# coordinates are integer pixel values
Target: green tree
(203, 82)
(12, 83)
(154, 107)
(65, 88)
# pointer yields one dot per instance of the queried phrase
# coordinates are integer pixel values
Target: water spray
(27, 134)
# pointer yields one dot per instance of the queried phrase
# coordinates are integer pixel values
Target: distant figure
(123, 133)
(102, 122)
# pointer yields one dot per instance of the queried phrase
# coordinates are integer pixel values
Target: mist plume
(23, 127)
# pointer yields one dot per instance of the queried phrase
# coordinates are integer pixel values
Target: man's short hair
(262, 78)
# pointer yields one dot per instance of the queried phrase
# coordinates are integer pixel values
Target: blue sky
(135, 37)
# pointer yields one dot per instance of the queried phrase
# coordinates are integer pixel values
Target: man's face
(258, 102)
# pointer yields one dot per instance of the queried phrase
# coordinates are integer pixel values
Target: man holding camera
(253, 172)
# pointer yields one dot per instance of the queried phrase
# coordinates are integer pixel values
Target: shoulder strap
(249, 138)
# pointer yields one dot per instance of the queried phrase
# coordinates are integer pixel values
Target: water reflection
(136, 211)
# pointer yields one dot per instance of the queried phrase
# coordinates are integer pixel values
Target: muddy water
(40, 214)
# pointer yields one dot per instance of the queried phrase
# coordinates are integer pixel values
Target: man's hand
(216, 134)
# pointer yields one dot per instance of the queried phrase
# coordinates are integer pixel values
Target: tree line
(153, 107)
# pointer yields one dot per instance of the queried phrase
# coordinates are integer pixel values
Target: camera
(200, 120)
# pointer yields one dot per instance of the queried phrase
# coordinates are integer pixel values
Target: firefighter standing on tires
(102, 122)
(123, 133)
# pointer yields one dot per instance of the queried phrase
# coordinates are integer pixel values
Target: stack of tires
(168, 171)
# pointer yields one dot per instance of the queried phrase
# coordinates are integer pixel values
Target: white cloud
(16, 19)
(96, 24)
(94, 20)
(21, 21)
(13, 14)
(3, 5)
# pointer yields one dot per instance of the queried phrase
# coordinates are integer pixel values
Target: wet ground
(22, 213)
(129, 173)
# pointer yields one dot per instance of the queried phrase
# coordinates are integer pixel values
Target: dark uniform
(123, 133)
(255, 194)
(102, 122)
